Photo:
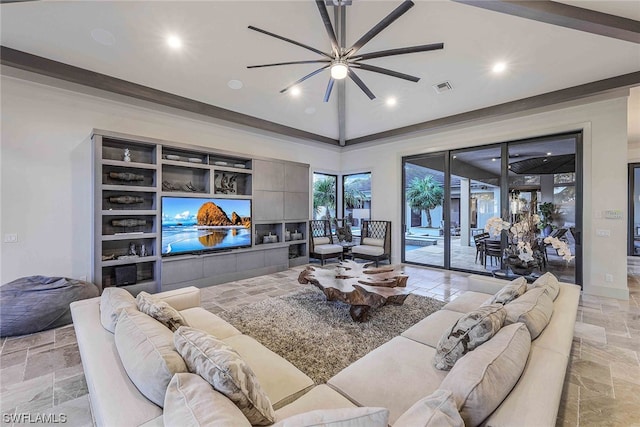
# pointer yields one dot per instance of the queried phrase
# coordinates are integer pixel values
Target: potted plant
(546, 209)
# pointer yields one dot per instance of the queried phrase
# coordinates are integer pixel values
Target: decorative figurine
(132, 249)
(127, 155)
(143, 250)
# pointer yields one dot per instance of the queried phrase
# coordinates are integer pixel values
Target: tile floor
(42, 373)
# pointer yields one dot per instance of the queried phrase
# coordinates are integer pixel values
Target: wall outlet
(603, 233)
(11, 238)
(608, 278)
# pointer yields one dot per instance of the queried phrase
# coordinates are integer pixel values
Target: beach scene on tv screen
(198, 224)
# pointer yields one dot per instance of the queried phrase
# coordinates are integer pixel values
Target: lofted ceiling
(218, 47)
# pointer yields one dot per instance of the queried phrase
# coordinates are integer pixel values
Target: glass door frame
(504, 197)
(631, 232)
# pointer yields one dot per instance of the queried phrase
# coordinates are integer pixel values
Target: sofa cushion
(112, 302)
(436, 410)
(328, 249)
(549, 282)
(345, 417)
(470, 331)
(403, 376)
(160, 310)
(281, 381)
(534, 309)
(146, 350)
(319, 397)
(225, 370)
(467, 302)
(429, 330)
(558, 335)
(370, 241)
(206, 321)
(509, 292)
(321, 241)
(191, 401)
(367, 250)
(483, 378)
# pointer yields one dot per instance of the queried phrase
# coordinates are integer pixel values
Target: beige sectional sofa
(394, 376)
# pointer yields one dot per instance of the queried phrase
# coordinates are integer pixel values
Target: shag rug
(318, 336)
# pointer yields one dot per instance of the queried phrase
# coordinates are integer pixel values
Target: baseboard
(603, 291)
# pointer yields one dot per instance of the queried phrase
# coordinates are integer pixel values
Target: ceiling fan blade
(288, 63)
(361, 84)
(327, 25)
(327, 94)
(388, 20)
(398, 51)
(387, 72)
(312, 49)
(304, 78)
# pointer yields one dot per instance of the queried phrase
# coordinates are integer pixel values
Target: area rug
(318, 336)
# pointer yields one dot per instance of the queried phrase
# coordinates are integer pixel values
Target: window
(325, 195)
(356, 198)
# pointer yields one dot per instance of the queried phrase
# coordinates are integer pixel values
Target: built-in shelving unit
(128, 218)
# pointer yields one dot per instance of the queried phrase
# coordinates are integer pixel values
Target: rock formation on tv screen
(211, 214)
(239, 220)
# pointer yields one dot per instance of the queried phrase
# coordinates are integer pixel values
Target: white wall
(604, 123)
(45, 177)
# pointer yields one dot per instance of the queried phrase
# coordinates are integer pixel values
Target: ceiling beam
(520, 105)
(47, 67)
(565, 15)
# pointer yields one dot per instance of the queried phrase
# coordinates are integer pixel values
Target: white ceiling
(218, 47)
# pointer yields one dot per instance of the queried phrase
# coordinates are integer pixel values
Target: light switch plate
(11, 238)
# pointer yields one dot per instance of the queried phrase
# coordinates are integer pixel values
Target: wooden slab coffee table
(360, 286)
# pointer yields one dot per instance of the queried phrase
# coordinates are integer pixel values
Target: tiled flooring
(42, 373)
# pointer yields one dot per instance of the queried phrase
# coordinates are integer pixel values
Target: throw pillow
(509, 292)
(225, 370)
(467, 333)
(146, 350)
(534, 309)
(160, 310)
(549, 282)
(112, 302)
(343, 417)
(191, 401)
(436, 410)
(482, 379)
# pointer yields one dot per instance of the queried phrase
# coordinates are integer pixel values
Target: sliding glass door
(449, 197)
(475, 197)
(424, 213)
(634, 209)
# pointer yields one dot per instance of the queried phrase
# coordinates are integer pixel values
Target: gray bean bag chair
(36, 303)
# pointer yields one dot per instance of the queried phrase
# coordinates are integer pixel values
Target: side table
(346, 249)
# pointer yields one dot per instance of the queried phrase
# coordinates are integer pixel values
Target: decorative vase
(520, 267)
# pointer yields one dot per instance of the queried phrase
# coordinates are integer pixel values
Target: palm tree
(354, 198)
(425, 194)
(324, 195)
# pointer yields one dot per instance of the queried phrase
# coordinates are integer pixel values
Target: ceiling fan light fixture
(339, 69)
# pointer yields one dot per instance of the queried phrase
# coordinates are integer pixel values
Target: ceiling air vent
(442, 87)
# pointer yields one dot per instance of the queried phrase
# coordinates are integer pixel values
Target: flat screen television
(198, 224)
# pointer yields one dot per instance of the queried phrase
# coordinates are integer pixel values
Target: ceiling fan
(343, 62)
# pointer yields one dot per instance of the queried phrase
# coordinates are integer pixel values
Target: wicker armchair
(375, 242)
(321, 241)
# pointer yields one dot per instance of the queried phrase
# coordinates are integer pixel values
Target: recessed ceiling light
(295, 91)
(549, 153)
(493, 159)
(391, 101)
(174, 41)
(103, 37)
(455, 157)
(499, 67)
(310, 110)
(235, 84)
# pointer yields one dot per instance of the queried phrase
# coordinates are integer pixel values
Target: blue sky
(186, 208)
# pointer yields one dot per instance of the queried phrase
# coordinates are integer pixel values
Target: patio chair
(321, 242)
(375, 242)
(477, 239)
(492, 250)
